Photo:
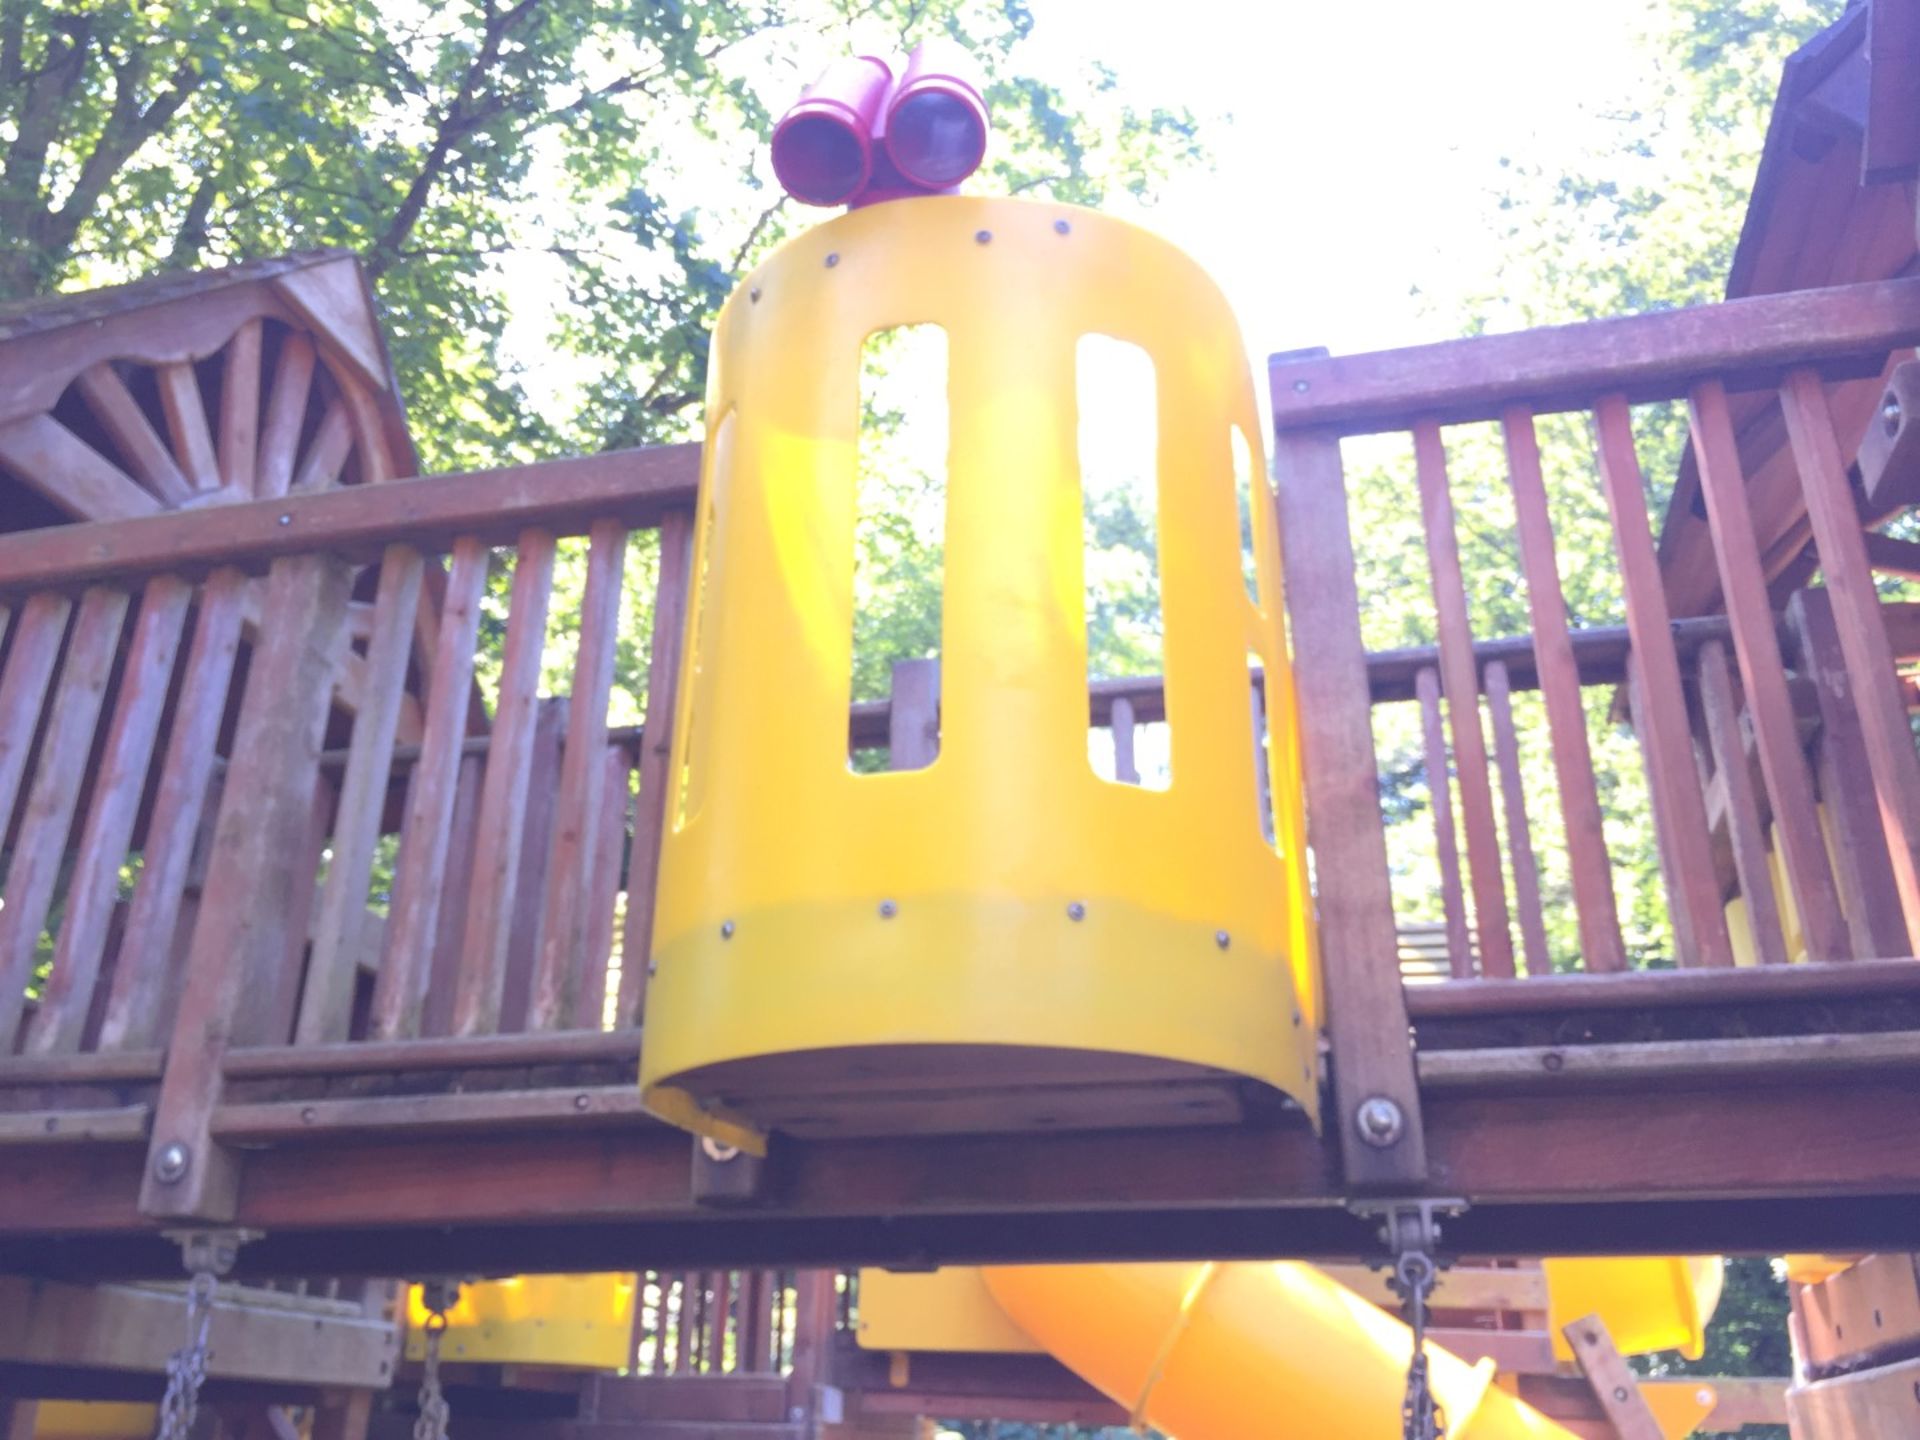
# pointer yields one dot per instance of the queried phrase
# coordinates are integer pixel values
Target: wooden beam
(1881, 1402)
(1867, 1311)
(1890, 149)
(1748, 342)
(256, 1334)
(636, 487)
(1647, 1061)
(1614, 1384)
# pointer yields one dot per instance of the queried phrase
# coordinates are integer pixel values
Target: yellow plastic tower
(1004, 912)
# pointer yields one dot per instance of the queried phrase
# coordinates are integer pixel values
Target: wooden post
(814, 1305)
(1372, 1055)
(1613, 1383)
(241, 933)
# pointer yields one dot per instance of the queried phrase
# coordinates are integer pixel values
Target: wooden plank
(136, 1327)
(1846, 329)
(414, 913)
(239, 442)
(142, 972)
(1600, 651)
(636, 487)
(603, 896)
(40, 841)
(93, 884)
(718, 1316)
(1651, 1060)
(1888, 556)
(670, 600)
(1879, 704)
(1446, 841)
(327, 452)
(1589, 868)
(1890, 149)
(1869, 897)
(503, 797)
(1121, 721)
(186, 416)
(258, 860)
(1744, 830)
(1872, 1405)
(1807, 984)
(479, 1052)
(1700, 922)
(1460, 682)
(23, 690)
(121, 1124)
(449, 943)
(1869, 1311)
(326, 1004)
(1526, 867)
(561, 994)
(1365, 1003)
(62, 468)
(756, 1323)
(1763, 674)
(286, 416)
(1614, 1383)
(142, 451)
(530, 890)
(488, 1112)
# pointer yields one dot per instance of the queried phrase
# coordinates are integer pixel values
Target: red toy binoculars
(860, 134)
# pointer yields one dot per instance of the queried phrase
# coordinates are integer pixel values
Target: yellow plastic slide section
(576, 1321)
(1249, 1351)
(1648, 1302)
(93, 1420)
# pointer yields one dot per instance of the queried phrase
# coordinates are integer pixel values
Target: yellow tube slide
(1248, 1351)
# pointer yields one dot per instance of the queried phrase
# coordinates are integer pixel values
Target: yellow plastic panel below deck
(580, 1322)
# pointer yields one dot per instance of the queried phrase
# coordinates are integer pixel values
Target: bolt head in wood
(1076, 911)
(1222, 939)
(888, 909)
(170, 1163)
(1380, 1121)
(726, 929)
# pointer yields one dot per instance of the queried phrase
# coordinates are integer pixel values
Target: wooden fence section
(1724, 723)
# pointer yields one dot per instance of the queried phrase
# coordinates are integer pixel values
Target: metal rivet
(833, 259)
(754, 295)
(1379, 1120)
(1553, 1060)
(888, 909)
(1061, 227)
(983, 237)
(1890, 414)
(308, 1115)
(286, 519)
(1619, 1392)
(1222, 939)
(1076, 911)
(583, 1101)
(170, 1163)
(726, 929)
(1300, 387)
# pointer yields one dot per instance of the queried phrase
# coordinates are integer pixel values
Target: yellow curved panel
(576, 1321)
(769, 936)
(93, 1420)
(1648, 1302)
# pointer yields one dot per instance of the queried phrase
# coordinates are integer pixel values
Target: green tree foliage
(618, 143)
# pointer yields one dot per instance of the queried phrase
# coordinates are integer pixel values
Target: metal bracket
(213, 1251)
(1410, 1223)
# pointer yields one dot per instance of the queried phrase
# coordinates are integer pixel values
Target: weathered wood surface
(1453, 904)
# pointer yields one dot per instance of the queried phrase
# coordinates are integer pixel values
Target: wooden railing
(1694, 689)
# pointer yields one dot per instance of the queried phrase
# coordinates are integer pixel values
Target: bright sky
(1357, 145)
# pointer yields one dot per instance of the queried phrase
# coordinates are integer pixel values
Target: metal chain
(187, 1366)
(1413, 1280)
(438, 1296)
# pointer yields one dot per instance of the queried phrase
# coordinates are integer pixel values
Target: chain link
(187, 1366)
(438, 1296)
(1421, 1418)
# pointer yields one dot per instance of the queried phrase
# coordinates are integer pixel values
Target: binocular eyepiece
(860, 134)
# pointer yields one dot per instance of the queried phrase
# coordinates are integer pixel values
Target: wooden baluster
(1460, 683)
(141, 449)
(1513, 795)
(40, 840)
(257, 859)
(240, 409)
(1671, 884)
(326, 454)
(603, 896)
(23, 689)
(670, 599)
(1365, 1005)
(530, 890)
(414, 914)
(1744, 830)
(756, 1316)
(186, 415)
(1763, 674)
(1700, 922)
(718, 1321)
(141, 976)
(503, 796)
(93, 884)
(1588, 865)
(1426, 685)
(326, 1005)
(1120, 720)
(449, 940)
(1880, 707)
(286, 416)
(1869, 894)
(561, 960)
